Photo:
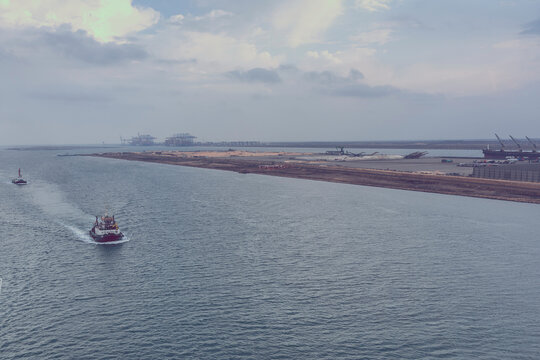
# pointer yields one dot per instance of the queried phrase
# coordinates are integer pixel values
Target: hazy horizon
(270, 71)
(304, 143)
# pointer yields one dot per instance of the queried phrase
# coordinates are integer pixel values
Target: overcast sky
(87, 71)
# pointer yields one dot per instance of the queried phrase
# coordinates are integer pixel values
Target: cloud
(532, 28)
(214, 53)
(379, 36)
(6, 56)
(364, 91)
(329, 83)
(105, 20)
(176, 19)
(214, 14)
(329, 78)
(518, 44)
(325, 55)
(373, 5)
(71, 97)
(341, 62)
(79, 46)
(175, 62)
(288, 68)
(304, 21)
(256, 75)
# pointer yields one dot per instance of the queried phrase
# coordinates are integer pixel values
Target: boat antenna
(500, 141)
(533, 144)
(19, 172)
(514, 140)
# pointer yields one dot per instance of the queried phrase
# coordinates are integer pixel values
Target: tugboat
(19, 180)
(106, 230)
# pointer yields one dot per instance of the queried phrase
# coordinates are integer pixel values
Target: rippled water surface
(220, 265)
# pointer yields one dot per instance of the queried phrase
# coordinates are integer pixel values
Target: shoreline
(517, 191)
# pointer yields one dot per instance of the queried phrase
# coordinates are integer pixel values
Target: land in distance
(427, 175)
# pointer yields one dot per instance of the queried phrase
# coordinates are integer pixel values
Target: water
(220, 265)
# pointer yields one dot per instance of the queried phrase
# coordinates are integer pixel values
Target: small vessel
(19, 180)
(106, 230)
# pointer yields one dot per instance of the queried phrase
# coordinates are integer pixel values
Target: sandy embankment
(270, 164)
(222, 154)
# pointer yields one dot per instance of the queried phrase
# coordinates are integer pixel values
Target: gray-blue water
(220, 265)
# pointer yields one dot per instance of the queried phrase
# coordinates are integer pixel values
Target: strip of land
(285, 165)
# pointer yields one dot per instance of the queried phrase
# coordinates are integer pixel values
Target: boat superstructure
(19, 180)
(106, 229)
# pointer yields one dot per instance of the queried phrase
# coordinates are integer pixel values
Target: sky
(92, 71)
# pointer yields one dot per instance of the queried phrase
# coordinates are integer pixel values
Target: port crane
(533, 144)
(514, 140)
(500, 141)
(519, 153)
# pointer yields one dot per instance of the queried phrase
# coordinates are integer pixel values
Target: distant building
(142, 140)
(514, 172)
(183, 139)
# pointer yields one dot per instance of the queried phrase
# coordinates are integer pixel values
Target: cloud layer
(104, 20)
(213, 67)
(305, 21)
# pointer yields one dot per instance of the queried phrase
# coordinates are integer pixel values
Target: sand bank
(270, 164)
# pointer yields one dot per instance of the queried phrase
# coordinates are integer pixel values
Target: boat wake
(80, 234)
(51, 200)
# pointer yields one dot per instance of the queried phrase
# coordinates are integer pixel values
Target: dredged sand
(288, 164)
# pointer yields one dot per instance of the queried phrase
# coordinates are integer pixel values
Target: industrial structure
(415, 155)
(340, 150)
(183, 139)
(141, 140)
(514, 172)
(518, 153)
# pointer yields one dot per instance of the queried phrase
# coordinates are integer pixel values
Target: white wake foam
(52, 201)
(85, 237)
(81, 235)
